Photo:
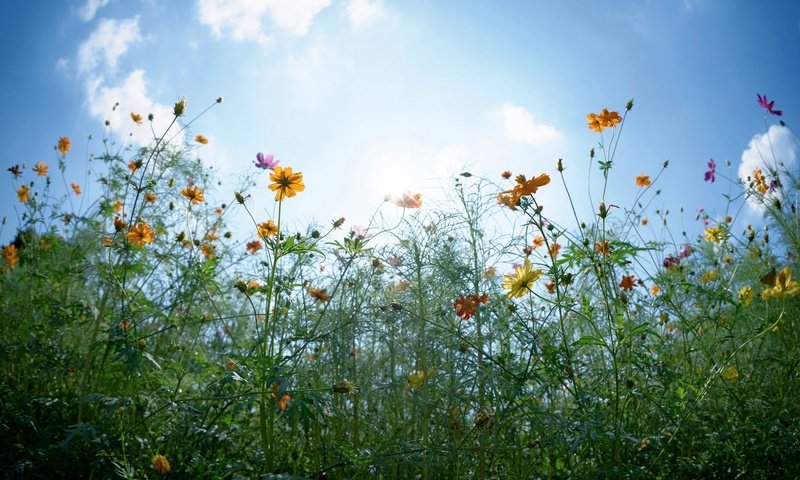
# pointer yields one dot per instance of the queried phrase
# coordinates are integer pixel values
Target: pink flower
(767, 105)
(266, 161)
(359, 232)
(712, 168)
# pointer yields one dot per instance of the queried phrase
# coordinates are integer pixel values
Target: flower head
(161, 464)
(137, 119)
(193, 194)
(285, 182)
(63, 145)
(24, 194)
(10, 255)
(467, 305)
(745, 295)
(76, 188)
(254, 246)
(40, 169)
(15, 170)
(510, 198)
(267, 229)
(201, 139)
(266, 161)
(642, 180)
(319, 295)
(409, 200)
(602, 120)
(768, 106)
(715, 234)
(520, 282)
(141, 234)
(783, 286)
(712, 169)
(283, 403)
(627, 282)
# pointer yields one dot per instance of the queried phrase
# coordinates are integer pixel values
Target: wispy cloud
(776, 150)
(88, 10)
(364, 12)
(107, 43)
(521, 126)
(244, 20)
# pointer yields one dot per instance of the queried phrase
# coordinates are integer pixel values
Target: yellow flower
(642, 180)
(730, 374)
(285, 182)
(141, 234)
(63, 145)
(24, 194)
(267, 229)
(76, 188)
(409, 200)
(715, 234)
(193, 194)
(137, 119)
(521, 281)
(784, 286)
(201, 139)
(10, 255)
(417, 378)
(161, 464)
(709, 276)
(604, 119)
(745, 295)
(40, 169)
(655, 290)
(759, 181)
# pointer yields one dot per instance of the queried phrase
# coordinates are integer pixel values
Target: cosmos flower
(254, 246)
(285, 183)
(319, 295)
(24, 194)
(201, 139)
(627, 282)
(40, 168)
(712, 168)
(137, 119)
(141, 234)
(467, 305)
(783, 287)
(642, 180)
(520, 282)
(63, 145)
(161, 464)
(409, 200)
(10, 255)
(266, 161)
(768, 106)
(193, 194)
(16, 171)
(267, 229)
(76, 188)
(602, 120)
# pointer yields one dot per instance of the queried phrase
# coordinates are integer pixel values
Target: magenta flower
(712, 168)
(767, 105)
(266, 161)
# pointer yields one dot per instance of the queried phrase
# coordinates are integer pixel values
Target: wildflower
(655, 290)
(671, 262)
(712, 168)
(417, 378)
(506, 174)
(201, 139)
(106, 241)
(117, 205)
(15, 170)
(230, 364)
(125, 325)
(603, 248)
(715, 234)
(283, 403)
(489, 273)
(150, 197)
(602, 120)
(730, 374)
(286, 183)
(402, 285)
(193, 194)
(63, 145)
(510, 198)
(10, 255)
(318, 294)
(554, 249)
(76, 188)
(467, 305)
(521, 281)
(709, 276)
(267, 229)
(266, 161)
(40, 169)
(133, 166)
(253, 247)
(783, 286)
(642, 180)
(538, 241)
(24, 194)
(137, 119)
(745, 295)
(208, 250)
(768, 106)
(161, 464)
(759, 181)
(140, 234)
(180, 107)
(687, 250)
(119, 224)
(409, 200)
(627, 282)
(248, 288)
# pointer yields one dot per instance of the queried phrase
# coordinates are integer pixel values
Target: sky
(372, 97)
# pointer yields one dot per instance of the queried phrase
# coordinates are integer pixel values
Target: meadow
(142, 337)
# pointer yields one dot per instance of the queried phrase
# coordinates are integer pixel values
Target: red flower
(467, 305)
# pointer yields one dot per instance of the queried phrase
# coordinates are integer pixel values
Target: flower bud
(180, 107)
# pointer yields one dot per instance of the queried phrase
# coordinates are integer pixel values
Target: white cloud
(520, 125)
(133, 98)
(108, 42)
(88, 10)
(313, 74)
(775, 150)
(244, 19)
(364, 12)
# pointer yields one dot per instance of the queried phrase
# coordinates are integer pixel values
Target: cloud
(520, 125)
(363, 12)
(133, 98)
(775, 150)
(108, 42)
(88, 10)
(244, 19)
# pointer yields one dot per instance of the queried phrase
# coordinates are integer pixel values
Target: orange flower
(759, 181)
(201, 139)
(193, 194)
(506, 174)
(10, 255)
(409, 200)
(655, 290)
(318, 294)
(24, 194)
(137, 119)
(642, 181)
(467, 306)
(285, 182)
(141, 234)
(538, 241)
(133, 166)
(230, 364)
(604, 119)
(603, 248)
(76, 188)
(106, 241)
(63, 145)
(150, 197)
(253, 247)
(510, 198)
(40, 169)
(161, 464)
(267, 229)
(284, 401)
(119, 224)
(117, 205)
(627, 283)
(208, 250)
(554, 249)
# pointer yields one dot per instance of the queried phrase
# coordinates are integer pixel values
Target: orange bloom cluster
(467, 305)
(10, 255)
(76, 188)
(642, 180)
(604, 119)
(510, 198)
(24, 194)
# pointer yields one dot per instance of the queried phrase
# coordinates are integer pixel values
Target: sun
(392, 176)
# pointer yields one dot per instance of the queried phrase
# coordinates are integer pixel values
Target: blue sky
(367, 97)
